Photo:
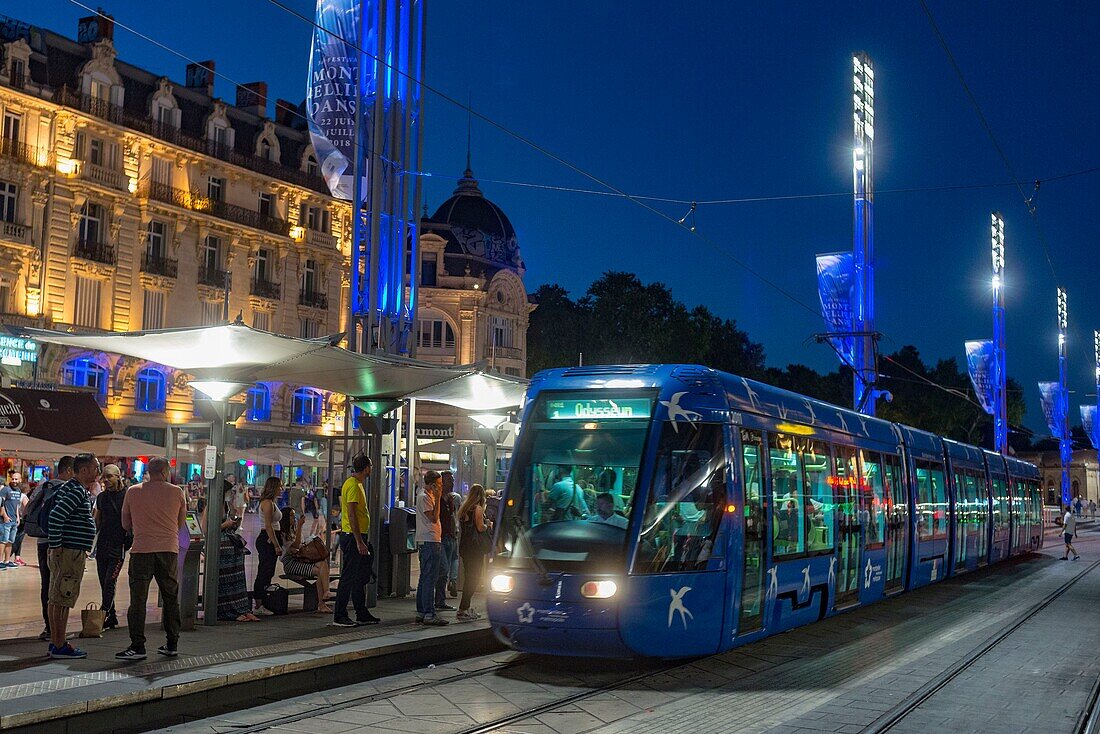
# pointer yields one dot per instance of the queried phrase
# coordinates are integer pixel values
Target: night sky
(734, 100)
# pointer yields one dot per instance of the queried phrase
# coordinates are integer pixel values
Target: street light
(216, 408)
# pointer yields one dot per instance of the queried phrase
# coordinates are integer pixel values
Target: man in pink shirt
(154, 511)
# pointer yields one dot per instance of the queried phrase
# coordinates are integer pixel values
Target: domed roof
(479, 228)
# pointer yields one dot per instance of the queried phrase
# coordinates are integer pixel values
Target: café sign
(14, 350)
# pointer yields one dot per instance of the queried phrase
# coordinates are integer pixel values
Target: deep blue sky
(721, 100)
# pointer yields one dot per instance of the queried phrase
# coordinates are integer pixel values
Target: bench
(307, 588)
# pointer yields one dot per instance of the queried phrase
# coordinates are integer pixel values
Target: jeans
(354, 574)
(108, 561)
(473, 564)
(448, 559)
(44, 572)
(429, 572)
(144, 567)
(265, 570)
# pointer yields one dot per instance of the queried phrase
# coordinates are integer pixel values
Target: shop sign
(14, 350)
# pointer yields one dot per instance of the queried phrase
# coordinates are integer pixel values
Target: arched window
(434, 331)
(150, 391)
(83, 372)
(259, 403)
(306, 407)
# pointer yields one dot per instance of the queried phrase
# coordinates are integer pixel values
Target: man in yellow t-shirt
(356, 559)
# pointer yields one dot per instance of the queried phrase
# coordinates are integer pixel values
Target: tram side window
(1000, 504)
(931, 501)
(939, 495)
(871, 495)
(819, 497)
(789, 522)
(687, 501)
(897, 506)
(755, 499)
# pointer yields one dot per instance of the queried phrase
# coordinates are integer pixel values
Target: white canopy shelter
(116, 444)
(235, 352)
(19, 445)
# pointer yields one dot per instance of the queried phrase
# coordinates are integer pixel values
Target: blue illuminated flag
(1050, 398)
(330, 94)
(979, 362)
(836, 279)
(1088, 422)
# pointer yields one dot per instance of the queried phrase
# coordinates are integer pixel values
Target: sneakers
(44, 635)
(370, 619)
(344, 622)
(1064, 558)
(168, 652)
(262, 611)
(66, 652)
(1076, 557)
(419, 619)
(467, 615)
(110, 623)
(435, 621)
(130, 654)
(444, 607)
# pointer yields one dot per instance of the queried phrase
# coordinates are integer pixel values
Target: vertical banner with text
(979, 363)
(835, 283)
(1050, 398)
(1088, 422)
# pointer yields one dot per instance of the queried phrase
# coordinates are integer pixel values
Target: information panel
(568, 409)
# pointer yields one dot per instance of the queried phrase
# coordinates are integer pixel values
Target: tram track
(1089, 721)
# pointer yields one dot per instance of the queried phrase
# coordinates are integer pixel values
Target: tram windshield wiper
(523, 528)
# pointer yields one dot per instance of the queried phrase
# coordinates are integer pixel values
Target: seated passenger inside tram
(605, 512)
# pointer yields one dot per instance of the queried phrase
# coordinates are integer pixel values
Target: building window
(435, 334)
(161, 171)
(156, 245)
(429, 265)
(5, 295)
(261, 320)
(266, 205)
(311, 166)
(513, 372)
(92, 219)
(306, 407)
(215, 188)
(17, 73)
(86, 310)
(263, 265)
(308, 329)
(502, 332)
(317, 219)
(221, 136)
(309, 277)
(9, 197)
(13, 127)
(152, 315)
(100, 90)
(211, 313)
(258, 403)
(266, 151)
(150, 390)
(95, 152)
(211, 253)
(84, 372)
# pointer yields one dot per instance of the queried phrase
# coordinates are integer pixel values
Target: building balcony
(99, 252)
(24, 153)
(263, 288)
(101, 108)
(313, 299)
(13, 232)
(502, 352)
(104, 176)
(196, 201)
(323, 240)
(155, 264)
(213, 277)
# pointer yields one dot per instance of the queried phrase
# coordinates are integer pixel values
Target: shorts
(8, 531)
(1068, 537)
(66, 572)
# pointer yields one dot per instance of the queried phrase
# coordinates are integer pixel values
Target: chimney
(96, 27)
(252, 98)
(201, 76)
(285, 112)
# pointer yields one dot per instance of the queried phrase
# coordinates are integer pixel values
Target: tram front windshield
(571, 489)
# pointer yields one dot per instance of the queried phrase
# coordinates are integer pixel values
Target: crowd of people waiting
(88, 509)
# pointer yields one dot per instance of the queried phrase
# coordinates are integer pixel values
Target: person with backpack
(37, 526)
(72, 532)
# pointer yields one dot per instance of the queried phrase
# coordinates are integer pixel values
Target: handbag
(276, 599)
(91, 620)
(236, 540)
(312, 552)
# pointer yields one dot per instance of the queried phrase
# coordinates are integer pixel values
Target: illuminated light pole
(1000, 375)
(863, 309)
(1065, 446)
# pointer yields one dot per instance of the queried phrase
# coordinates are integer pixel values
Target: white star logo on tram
(526, 613)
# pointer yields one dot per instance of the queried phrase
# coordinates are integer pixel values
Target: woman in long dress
(233, 603)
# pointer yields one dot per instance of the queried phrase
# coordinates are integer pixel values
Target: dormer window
(311, 167)
(266, 151)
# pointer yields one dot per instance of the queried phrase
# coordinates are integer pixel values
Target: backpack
(36, 518)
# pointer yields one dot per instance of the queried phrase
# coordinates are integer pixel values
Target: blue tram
(674, 510)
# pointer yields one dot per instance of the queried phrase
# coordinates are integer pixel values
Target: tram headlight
(501, 583)
(599, 589)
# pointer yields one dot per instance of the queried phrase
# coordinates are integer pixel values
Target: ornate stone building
(129, 201)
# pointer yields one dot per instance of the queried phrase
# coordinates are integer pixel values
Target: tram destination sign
(569, 409)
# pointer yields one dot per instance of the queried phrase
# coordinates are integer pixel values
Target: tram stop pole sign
(209, 462)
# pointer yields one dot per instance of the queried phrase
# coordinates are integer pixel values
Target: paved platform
(851, 673)
(223, 667)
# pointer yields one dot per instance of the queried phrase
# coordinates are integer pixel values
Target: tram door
(897, 524)
(754, 536)
(848, 533)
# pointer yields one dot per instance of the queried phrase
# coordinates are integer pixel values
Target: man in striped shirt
(72, 532)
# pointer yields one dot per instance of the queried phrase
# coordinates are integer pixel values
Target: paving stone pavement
(839, 675)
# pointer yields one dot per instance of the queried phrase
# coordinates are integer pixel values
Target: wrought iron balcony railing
(313, 299)
(265, 289)
(100, 252)
(156, 264)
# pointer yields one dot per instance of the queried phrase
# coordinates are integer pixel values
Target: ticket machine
(191, 546)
